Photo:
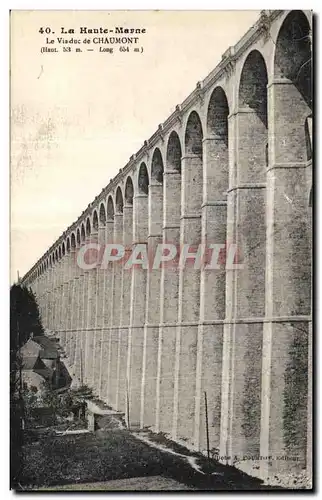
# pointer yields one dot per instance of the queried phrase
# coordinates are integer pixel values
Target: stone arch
(216, 168)
(102, 214)
(59, 252)
(110, 209)
(293, 58)
(143, 179)
(50, 260)
(95, 220)
(217, 115)
(73, 241)
(253, 85)
(88, 227)
(68, 245)
(78, 237)
(193, 135)
(157, 166)
(63, 249)
(119, 200)
(174, 153)
(56, 255)
(82, 233)
(129, 191)
(192, 170)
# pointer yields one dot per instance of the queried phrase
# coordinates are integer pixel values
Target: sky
(76, 118)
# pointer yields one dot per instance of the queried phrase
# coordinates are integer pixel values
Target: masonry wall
(232, 165)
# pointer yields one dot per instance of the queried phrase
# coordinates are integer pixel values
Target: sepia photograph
(161, 213)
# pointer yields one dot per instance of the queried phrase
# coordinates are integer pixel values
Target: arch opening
(78, 237)
(253, 85)
(217, 116)
(293, 58)
(157, 166)
(129, 191)
(110, 209)
(143, 179)
(119, 201)
(83, 234)
(102, 214)
(193, 135)
(95, 220)
(174, 152)
(73, 241)
(88, 227)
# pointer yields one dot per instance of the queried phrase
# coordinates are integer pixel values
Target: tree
(24, 320)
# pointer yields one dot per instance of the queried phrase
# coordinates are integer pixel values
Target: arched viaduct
(233, 163)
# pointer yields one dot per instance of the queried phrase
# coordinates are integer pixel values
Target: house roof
(34, 354)
(48, 348)
(28, 363)
(30, 349)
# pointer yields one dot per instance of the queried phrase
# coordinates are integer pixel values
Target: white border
(4, 172)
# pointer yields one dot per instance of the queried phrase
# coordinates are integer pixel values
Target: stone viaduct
(233, 163)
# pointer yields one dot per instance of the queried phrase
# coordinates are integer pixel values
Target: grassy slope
(115, 454)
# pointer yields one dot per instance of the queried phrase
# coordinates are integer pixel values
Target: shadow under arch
(82, 233)
(193, 135)
(95, 220)
(253, 85)
(102, 214)
(217, 115)
(143, 179)
(129, 191)
(174, 153)
(293, 58)
(110, 209)
(88, 227)
(157, 166)
(119, 201)
(78, 237)
(73, 241)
